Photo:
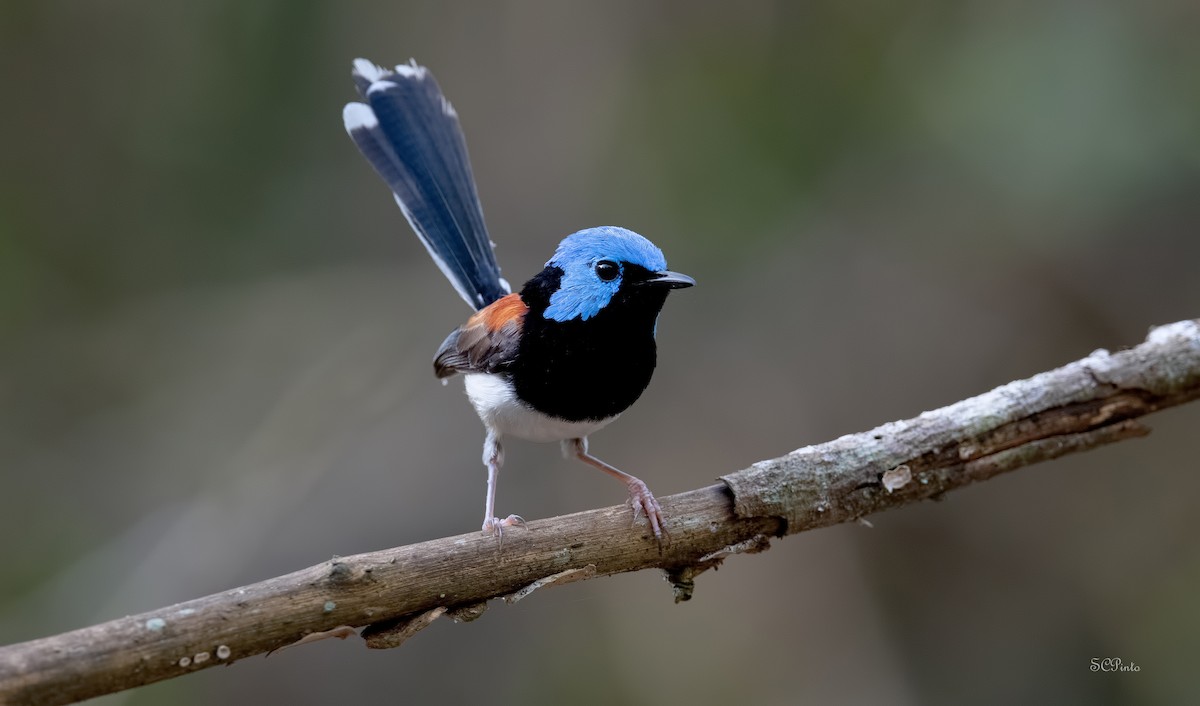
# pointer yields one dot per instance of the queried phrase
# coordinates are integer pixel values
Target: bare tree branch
(397, 592)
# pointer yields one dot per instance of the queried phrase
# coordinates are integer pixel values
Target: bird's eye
(607, 270)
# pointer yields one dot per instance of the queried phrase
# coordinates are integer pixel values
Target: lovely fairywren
(574, 348)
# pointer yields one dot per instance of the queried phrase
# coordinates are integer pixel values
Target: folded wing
(486, 343)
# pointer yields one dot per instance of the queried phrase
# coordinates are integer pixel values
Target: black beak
(668, 279)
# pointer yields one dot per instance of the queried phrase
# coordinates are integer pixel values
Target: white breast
(497, 405)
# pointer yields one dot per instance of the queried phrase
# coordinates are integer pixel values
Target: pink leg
(493, 458)
(640, 497)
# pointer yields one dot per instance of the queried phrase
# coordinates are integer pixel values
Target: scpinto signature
(1113, 664)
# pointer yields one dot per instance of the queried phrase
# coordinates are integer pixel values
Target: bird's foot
(644, 502)
(495, 526)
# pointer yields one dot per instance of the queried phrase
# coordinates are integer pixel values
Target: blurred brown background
(216, 330)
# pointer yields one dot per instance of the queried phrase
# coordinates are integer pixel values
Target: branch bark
(396, 592)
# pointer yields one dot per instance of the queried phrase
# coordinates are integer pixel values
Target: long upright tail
(409, 132)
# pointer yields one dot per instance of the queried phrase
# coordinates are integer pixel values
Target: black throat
(586, 370)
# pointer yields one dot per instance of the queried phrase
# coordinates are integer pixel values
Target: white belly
(497, 405)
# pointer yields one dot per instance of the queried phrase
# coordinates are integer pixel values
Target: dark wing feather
(409, 132)
(487, 343)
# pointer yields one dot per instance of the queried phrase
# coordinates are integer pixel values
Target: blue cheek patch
(580, 295)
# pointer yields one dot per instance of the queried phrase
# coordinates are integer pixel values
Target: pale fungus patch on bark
(897, 478)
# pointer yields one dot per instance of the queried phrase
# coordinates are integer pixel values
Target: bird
(555, 361)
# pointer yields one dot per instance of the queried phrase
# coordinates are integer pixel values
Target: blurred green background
(216, 330)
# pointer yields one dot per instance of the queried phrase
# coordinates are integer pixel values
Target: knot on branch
(343, 573)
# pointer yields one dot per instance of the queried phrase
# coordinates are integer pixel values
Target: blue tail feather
(410, 134)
